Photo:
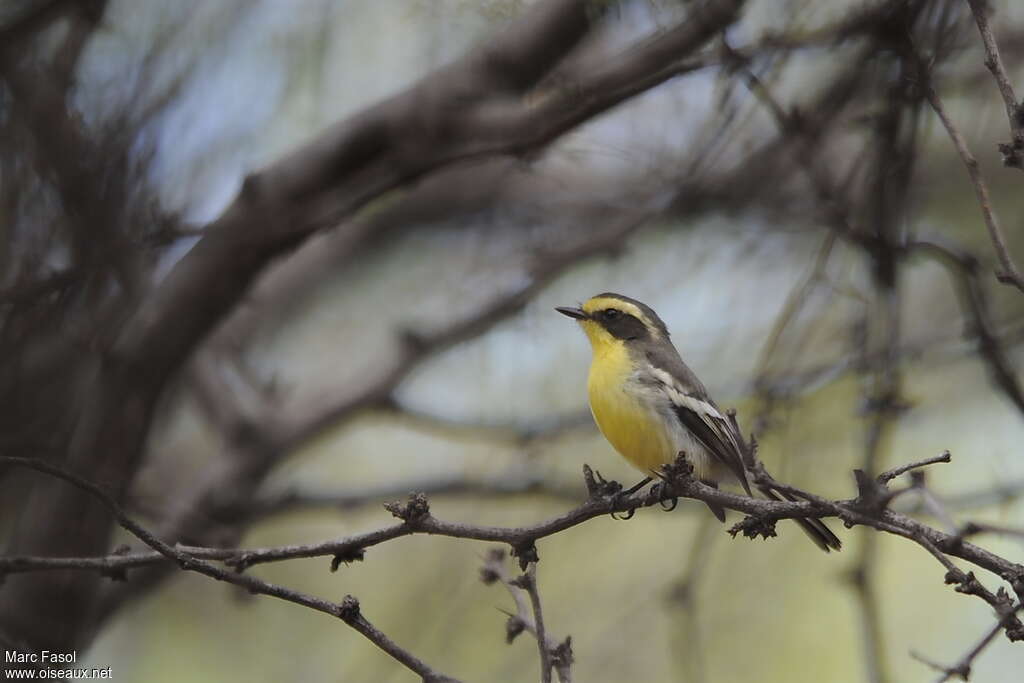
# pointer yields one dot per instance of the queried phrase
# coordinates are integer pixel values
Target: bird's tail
(813, 527)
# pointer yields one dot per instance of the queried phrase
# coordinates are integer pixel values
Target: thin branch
(456, 486)
(417, 519)
(994, 63)
(962, 668)
(684, 594)
(1009, 274)
(962, 268)
(348, 610)
(974, 528)
(554, 654)
(528, 582)
(889, 475)
(514, 431)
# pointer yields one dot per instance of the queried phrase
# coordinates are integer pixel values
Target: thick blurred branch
(471, 109)
(391, 144)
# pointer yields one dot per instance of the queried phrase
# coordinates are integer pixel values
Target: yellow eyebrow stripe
(601, 302)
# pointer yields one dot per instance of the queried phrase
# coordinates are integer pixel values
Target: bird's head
(612, 319)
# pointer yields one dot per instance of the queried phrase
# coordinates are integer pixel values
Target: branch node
(522, 581)
(240, 562)
(513, 627)
(872, 495)
(415, 510)
(754, 526)
(117, 573)
(678, 472)
(561, 655)
(347, 557)
(598, 486)
(1011, 153)
(527, 553)
(348, 610)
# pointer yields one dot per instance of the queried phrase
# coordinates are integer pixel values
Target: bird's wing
(698, 413)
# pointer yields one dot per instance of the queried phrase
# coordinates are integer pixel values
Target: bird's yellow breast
(633, 428)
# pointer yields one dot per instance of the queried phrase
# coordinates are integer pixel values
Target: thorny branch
(348, 610)
(416, 518)
(563, 108)
(523, 589)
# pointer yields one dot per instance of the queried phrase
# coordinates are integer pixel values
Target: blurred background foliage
(212, 90)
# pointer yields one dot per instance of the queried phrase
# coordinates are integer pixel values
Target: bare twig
(528, 582)
(994, 63)
(889, 475)
(348, 610)
(974, 528)
(417, 519)
(1008, 273)
(962, 668)
(553, 654)
(963, 271)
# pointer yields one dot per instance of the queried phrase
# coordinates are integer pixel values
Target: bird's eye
(611, 314)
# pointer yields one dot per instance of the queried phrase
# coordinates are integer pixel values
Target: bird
(650, 406)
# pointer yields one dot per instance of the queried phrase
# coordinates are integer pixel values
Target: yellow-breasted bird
(650, 405)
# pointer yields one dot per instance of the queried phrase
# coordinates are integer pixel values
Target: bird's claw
(659, 493)
(627, 515)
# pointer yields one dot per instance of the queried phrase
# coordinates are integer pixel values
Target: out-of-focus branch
(684, 597)
(962, 668)
(296, 424)
(962, 268)
(974, 528)
(473, 108)
(32, 18)
(523, 589)
(1008, 273)
(881, 398)
(515, 432)
(360, 159)
(513, 485)
(262, 430)
(1012, 152)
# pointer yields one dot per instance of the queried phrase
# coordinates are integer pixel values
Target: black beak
(576, 313)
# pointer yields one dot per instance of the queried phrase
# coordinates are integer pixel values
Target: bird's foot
(662, 494)
(621, 496)
(600, 488)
